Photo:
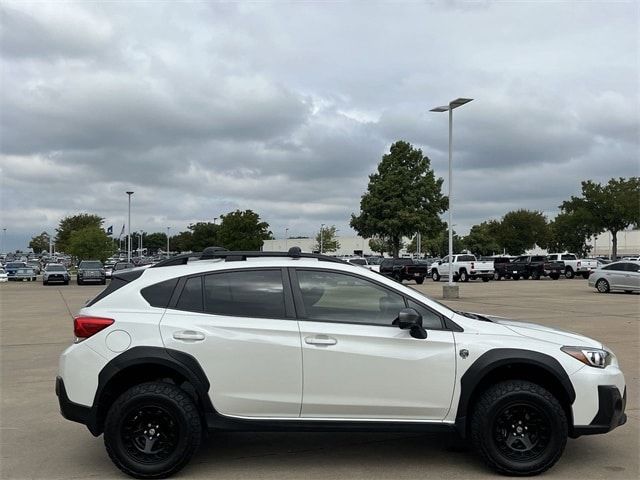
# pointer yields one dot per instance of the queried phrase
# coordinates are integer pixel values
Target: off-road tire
(153, 394)
(513, 394)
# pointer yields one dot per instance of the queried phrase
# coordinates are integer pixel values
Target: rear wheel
(496, 276)
(485, 279)
(519, 428)
(569, 272)
(420, 280)
(152, 430)
(603, 286)
(585, 276)
(526, 276)
(555, 276)
(516, 277)
(80, 282)
(463, 276)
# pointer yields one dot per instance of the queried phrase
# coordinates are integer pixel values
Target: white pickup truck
(464, 267)
(573, 265)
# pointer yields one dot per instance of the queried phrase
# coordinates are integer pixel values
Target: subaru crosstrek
(257, 341)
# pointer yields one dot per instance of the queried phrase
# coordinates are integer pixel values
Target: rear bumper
(68, 409)
(610, 414)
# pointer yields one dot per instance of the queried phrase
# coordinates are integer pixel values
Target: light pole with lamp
(286, 239)
(450, 290)
(129, 230)
(168, 228)
(4, 240)
(321, 239)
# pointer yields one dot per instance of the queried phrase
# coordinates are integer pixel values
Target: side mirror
(410, 319)
(439, 262)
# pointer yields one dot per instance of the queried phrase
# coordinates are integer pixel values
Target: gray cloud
(287, 108)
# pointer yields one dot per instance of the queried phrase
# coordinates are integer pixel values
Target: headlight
(594, 357)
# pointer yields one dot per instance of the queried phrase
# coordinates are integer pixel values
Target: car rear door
(357, 365)
(631, 275)
(240, 326)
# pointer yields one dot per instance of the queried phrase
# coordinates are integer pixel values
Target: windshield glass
(15, 265)
(90, 265)
(55, 268)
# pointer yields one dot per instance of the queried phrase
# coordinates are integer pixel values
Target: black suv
(91, 271)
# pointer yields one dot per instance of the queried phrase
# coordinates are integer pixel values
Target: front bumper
(610, 412)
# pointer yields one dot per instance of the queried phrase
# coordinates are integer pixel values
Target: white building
(348, 245)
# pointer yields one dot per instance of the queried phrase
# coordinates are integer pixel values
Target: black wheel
(516, 277)
(66, 282)
(397, 277)
(603, 286)
(103, 282)
(80, 282)
(535, 276)
(152, 430)
(435, 276)
(519, 428)
(496, 276)
(420, 280)
(569, 272)
(555, 276)
(585, 276)
(526, 276)
(463, 276)
(485, 279)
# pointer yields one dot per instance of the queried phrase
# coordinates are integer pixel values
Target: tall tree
(570, 232)
(611, 207)
(483, 239)
(73, 223)
(39, 243)
(379, 245)
(243, 230)
(403, 197)
(327, 237)
(182, 242)
(90, 243)
(521, 230)
(203, 235)
(155, 241)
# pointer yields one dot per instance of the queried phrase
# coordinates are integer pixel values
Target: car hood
(547, 334)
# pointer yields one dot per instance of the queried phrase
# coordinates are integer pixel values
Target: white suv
(288, 341)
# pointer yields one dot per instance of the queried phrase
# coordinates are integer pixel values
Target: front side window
(337, 297)
(631, 267)
(248, 293)
(430, 319)
(445, 259)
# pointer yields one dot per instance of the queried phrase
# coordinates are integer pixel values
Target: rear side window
(158, 295)
(614, 266)
(466, 258)
(631, 267)
(191, 296)
(117, 281)
(248, 293)
(568, 257)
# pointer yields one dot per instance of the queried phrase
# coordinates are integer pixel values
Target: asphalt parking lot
(36, 442)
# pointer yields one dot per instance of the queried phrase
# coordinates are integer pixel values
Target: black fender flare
(500, 357)
(182, 363)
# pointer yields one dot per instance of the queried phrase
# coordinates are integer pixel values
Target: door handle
(189, 336)
(321, 340)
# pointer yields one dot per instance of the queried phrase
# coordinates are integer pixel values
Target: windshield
(55, 268)
(90, 265)
(15, 264)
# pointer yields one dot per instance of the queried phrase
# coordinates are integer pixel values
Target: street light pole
(129, 230)
(4, 240)
(168, 228)
(449, 108)
(286, 238)
(321, 237)
(141, 233)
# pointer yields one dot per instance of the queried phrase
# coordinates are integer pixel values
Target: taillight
(579, 264)
(85, 327)
(472, 266)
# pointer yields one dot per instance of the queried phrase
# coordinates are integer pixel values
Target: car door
(240, 326)
(615, 275)
(357, 365)
(443, 267)
(631, 275)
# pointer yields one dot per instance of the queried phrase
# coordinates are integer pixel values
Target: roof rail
(235, 256)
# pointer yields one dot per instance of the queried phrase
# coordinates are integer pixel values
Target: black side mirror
(410, 319)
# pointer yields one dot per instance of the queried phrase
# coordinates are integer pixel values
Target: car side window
(614, 266)
(631, 267)
(386, 263)
(430, 319)
(445, 259)
(158, 295)
(568, 257)
(247, 293)
(338, 297)
(191, 296)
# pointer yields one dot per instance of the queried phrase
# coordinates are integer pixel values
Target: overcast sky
(286, 108)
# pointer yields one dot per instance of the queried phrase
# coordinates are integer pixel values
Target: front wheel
(603, 286)
(152, 430)
(519, 428)
(516, 277)
(435, 276)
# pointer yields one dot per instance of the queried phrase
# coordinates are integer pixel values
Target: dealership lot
(37, 443)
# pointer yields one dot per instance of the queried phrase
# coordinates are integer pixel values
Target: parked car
(464, 267)
(55, 272)
(3, 275)
(22, 274)
(357, 261)
(35, 264)
(374, 263)
(91, 271)
(164, 354)
(500, 266)
(404, 269)
(622, 275)
(573, 265)
(108, 269)
(122, 266)
(535, 267)
(12, 268)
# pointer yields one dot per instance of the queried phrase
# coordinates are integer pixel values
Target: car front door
(357, 365)
(631, 275)
(241, 327)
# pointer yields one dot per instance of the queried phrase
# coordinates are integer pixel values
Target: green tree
(402, 197)
(611, 207)
(570, 232)
(155, 241)
(243, 230)
(39, 243)
(327, 235)
(182, 242)
(379, 245)
(90, 243)
(437, 243)
(521, 230)
(72, 223)
(483, 239)
(203, 235)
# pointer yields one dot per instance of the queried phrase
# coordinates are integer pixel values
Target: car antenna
(66, 304)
